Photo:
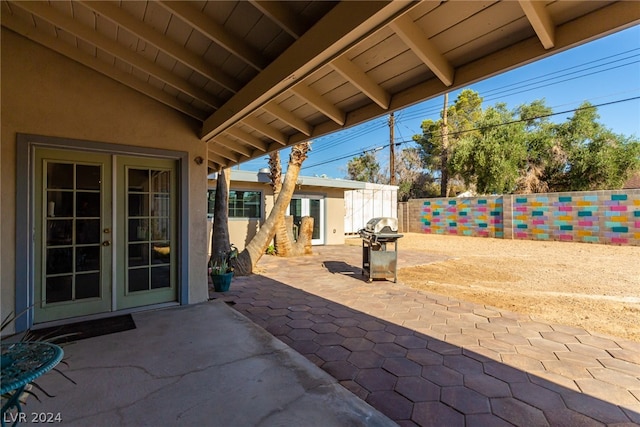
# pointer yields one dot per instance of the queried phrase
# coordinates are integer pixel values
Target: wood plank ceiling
(262, 75)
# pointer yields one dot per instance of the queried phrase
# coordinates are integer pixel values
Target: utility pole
(444, 172)
(392, 151)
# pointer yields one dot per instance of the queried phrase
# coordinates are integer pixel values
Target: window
(242, 204)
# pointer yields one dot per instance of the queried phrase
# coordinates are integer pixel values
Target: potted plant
(221, 269)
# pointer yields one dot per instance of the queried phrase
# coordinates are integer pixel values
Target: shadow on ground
(427, 360)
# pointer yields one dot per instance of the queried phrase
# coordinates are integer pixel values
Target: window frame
(233, 209)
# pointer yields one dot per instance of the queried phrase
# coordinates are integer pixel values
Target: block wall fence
(607, 217)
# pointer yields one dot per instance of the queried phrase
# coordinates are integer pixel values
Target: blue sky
(605, 71)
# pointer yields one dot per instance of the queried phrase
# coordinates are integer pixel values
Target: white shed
(374, 200)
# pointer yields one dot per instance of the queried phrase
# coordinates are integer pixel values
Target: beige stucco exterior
(241, 231)
(46, 94)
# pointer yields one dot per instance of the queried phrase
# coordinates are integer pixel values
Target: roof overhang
(263, 75)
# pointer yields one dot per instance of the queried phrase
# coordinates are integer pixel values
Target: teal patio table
(23, 362)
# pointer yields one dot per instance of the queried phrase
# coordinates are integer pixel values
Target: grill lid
(382, 225)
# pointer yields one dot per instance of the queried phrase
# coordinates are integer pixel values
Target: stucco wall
(241, 231)
(46, 94)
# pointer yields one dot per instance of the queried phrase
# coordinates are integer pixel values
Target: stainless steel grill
(380, 248)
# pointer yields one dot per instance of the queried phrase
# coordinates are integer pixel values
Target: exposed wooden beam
(232, 145)
(606, 20)
(281, 15)
(343, 26)
(540, 21)
(123, 19)
(265, 129)
(216, 33)
(212, 166)
(418, 42)
(225, 152)
(112, 47)
(219, 160)
(321, 104)
(288, 117)
(248, 138)
(362, 81)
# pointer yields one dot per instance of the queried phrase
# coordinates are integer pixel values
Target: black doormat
(82, 330)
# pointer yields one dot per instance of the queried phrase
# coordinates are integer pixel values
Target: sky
(605, 71)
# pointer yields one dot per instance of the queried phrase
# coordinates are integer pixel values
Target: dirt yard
(596, 287)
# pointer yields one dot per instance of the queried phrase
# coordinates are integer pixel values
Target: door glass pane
(160, 277)
(148, 229)
(88, 285)
(59, 288)
(88, 258)
(160, 181)
(87, 231)
(138, 180)
(138, 279)
(138, 205)
(295, 207)
(314, 212)
(60, 175)
(59, 260)
(161, 253)
(87, 204)
(138, 230)
(72, 216)
(295, 210)
(59, 204)
(160, 206)
(59, 232)
(160, 229)
(88, 177)
(138, 254)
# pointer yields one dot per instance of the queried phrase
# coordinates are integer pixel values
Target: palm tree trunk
(252, 253)
(220, 240)
(283, 242)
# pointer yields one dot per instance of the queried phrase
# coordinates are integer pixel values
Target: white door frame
(306, 211)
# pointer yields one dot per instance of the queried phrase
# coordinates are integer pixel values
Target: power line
(397, 144)
(499, 93)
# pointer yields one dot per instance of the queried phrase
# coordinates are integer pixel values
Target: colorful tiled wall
(471, 216)
(609, 217)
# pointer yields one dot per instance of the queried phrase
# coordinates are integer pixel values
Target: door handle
(106, 243)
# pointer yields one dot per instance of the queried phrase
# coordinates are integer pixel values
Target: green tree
(522, 151)
(541, 147)
(462, 118)
(412, 180)
(492, 157)
(596, 158)
(365, 168)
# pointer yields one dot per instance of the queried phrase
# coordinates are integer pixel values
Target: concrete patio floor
(199, 365)
(429, 360)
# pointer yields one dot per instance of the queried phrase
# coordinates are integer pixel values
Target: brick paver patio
(424, 359)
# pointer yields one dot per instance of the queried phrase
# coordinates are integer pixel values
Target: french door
(312, 206)
(104, 227)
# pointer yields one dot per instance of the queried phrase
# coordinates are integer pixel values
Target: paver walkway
(429, 360)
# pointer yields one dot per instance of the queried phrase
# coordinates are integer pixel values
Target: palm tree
(249, 257)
